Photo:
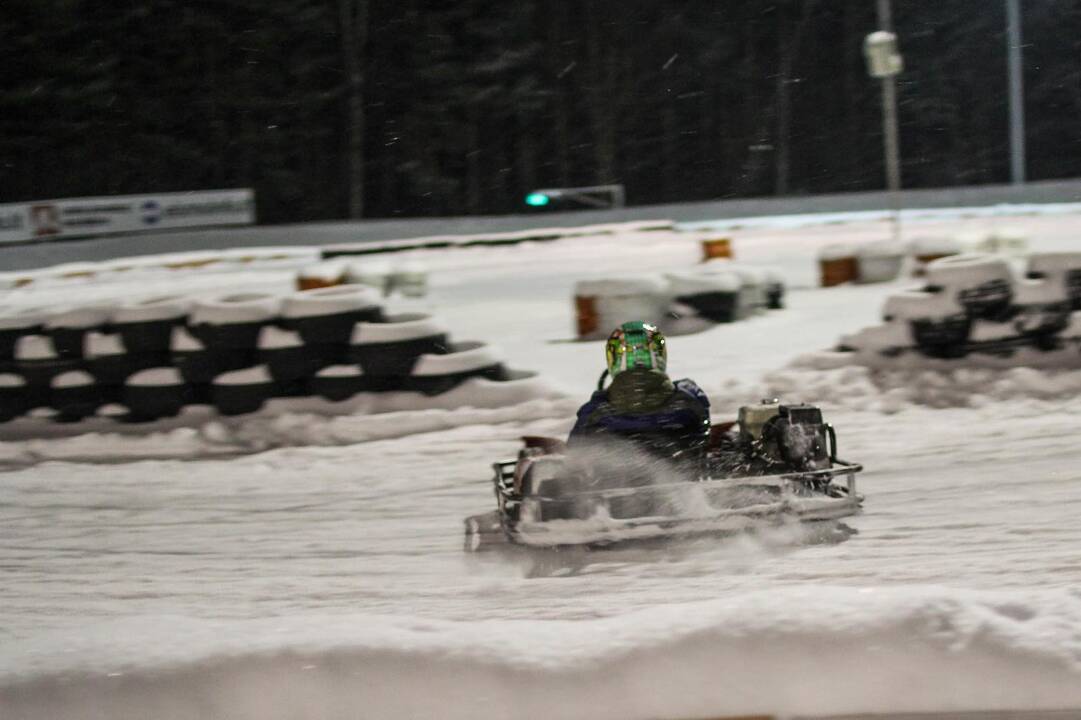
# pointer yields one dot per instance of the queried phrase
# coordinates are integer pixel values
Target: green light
(537, 199)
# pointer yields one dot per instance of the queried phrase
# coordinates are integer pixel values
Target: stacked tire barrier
(716, 292)
(979, 306)
(147, 360)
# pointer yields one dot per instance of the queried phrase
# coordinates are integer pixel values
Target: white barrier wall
(43, 220)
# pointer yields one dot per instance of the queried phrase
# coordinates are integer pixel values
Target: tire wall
(982, 306)
(234, 352)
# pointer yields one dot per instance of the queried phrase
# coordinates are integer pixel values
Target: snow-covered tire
(105, 356)
(14, 396)
(203, 366)
(1062, 271)
(15, 326)
(391, 348)
(919, 305)
(155, 393)
(288, 358)
(945, 338)
(435, 374)
(232, 321)
(339, 382)
(242, 391)
(981, 284)
(76, 395)
(198, 364)
(886, 339)
(37, 361)
(68, 327)
(326, 316)
(146, 325)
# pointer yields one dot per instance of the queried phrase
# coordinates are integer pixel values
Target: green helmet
(636, 345)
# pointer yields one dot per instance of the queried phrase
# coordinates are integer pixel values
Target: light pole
(1017, 101)
(885, 62)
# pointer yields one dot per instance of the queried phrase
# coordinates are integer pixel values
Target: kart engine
(794, 434)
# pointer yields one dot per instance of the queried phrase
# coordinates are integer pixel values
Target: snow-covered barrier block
(714, 296)
(606, 303)
(879, 262)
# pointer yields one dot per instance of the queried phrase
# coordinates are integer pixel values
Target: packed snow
(307, 561)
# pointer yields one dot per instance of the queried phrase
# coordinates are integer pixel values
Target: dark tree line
(336, 108)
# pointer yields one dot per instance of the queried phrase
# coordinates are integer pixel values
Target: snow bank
(800, 650)
(285, 422)
(831, 379)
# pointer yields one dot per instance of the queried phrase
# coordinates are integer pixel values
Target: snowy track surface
(327, 579)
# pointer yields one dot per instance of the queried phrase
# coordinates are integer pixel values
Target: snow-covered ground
(183, 574)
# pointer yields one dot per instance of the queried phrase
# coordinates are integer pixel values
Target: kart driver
(642, 403)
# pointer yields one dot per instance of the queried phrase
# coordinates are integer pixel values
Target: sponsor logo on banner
(106, 215)
(151, 211)
(45, 220)
(225, 206)
(86, 217)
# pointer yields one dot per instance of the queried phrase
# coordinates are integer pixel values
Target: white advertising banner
(81, 217)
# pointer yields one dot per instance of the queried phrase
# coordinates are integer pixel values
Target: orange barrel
(321, 275)
(312, 283)
(838, 264)
(586, 314)
(716, 248)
